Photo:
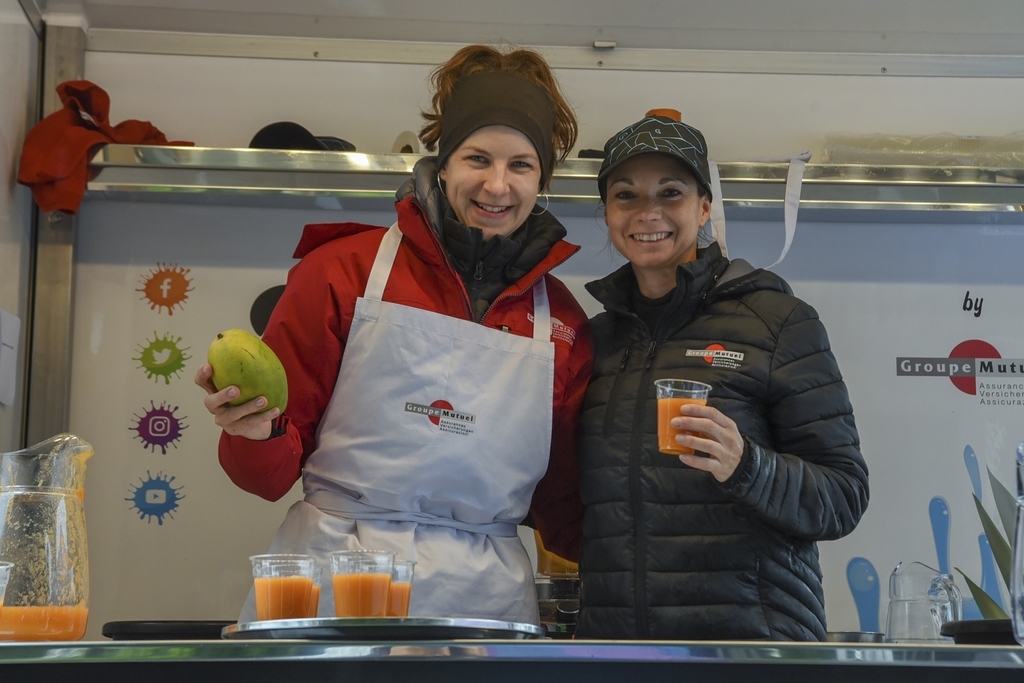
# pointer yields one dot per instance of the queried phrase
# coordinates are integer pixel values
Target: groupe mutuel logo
(974, 367)
(717, 355)
(444, 415)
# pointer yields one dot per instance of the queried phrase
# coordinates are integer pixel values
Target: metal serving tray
(383, 628)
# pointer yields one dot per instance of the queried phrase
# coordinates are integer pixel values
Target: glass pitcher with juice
(42, 532)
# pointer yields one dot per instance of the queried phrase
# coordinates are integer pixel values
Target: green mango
(242, 359)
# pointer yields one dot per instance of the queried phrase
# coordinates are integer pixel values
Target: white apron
(431, 446)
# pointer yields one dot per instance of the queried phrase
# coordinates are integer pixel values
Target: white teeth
(650, 237)
(491, 209)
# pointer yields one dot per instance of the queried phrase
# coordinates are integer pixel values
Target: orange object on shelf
(47, 622)
(549, 563)
(673, 114)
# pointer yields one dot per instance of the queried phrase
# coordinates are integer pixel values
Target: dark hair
(484, 58)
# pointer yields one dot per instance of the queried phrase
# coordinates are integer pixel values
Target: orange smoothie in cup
(283, 597)
(398, 599)
(361, 595)
(668, 408)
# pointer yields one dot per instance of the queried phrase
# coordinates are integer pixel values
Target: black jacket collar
(615, 291)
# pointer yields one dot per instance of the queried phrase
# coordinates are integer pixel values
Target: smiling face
(492, 180)
(653, 213)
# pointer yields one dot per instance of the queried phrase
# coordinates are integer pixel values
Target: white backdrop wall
(19, 53)
(885, 287)
(222, 102)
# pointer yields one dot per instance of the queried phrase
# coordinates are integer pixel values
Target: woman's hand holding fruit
(245, 420)
(249, 387)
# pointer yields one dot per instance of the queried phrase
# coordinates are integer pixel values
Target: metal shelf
(286, 178)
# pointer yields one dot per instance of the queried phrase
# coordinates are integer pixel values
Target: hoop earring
(439, 188)
(547, 202)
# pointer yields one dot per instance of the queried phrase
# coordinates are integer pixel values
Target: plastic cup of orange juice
(284, 586)
(361, 581)
(673, 394)
(401, 589)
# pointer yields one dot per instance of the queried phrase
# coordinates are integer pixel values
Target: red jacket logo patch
(559, 330)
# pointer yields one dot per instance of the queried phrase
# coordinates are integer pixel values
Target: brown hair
(484, 58)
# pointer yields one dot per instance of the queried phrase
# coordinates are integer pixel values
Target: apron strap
(342, 506)
(382, 264)
(386, 258)
(541, 312)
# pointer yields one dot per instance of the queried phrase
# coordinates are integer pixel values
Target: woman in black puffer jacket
(721, 544)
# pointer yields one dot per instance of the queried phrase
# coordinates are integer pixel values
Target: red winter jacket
(310, 324)
(56, 153)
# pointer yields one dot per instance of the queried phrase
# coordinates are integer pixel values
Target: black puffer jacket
(668, 551)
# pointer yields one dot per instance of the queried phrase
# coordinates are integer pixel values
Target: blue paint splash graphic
(863, 581)
(154, 497)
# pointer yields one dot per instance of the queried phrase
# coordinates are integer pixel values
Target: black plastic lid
(164, 630)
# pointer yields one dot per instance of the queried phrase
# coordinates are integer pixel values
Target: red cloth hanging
(55, 157)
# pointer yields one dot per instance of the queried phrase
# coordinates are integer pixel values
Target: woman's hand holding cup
(709, 431)
(686, 425)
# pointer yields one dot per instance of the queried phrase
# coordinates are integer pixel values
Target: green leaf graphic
(1000, 548)
(988, 607)
(1006, 504)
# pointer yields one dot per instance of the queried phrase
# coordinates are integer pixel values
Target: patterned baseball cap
(657, 134)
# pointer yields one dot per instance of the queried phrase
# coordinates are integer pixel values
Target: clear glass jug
(42, 532)
(921, 600)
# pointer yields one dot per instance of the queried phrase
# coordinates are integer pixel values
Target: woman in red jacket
(436, 369)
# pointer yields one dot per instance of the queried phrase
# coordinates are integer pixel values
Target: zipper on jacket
(636, 498)
(609, 409)
(527, 288)
(650, 355)
(467, 304)
(478, 274)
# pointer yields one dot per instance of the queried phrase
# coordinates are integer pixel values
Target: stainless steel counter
(479, 660)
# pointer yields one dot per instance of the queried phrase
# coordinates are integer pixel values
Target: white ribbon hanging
(794, 182)
(717, 209)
